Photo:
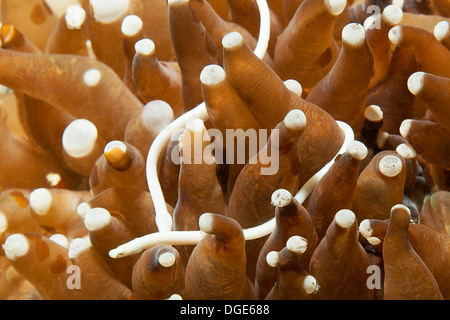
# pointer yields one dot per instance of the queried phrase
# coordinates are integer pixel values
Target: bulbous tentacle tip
(374, 241)
(206, 222)
(365, 229)
(75, 16)
(310, 284)
(415, 82)
(345, 218)
(16, 246)
(167, 259)
(3, 223)
(79, 138)
(402, 208)
(281, 198)
(357, 150)
(145, 47)
(97, 218)
(83, 208)
(373, 113)
(395, 35)
(92, 77)
(40, 201)
(131, 25)
(336, 7)
(442, 30)
(295, 120)
(392, 14)
(232, 40)
(294, 86)
(175, 297)
(109, 11)
(406, 151)
(272, 259)
(354, 34)
(390, 165)
(400, 214)
(212, 75)
(115, 151)
(77, 246)
(405, 127)
(297, 244)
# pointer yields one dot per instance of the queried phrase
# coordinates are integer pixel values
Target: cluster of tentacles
(225, 149)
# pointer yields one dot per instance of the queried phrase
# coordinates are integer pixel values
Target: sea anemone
(222, 149)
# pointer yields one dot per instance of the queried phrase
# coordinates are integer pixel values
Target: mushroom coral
(224, 149)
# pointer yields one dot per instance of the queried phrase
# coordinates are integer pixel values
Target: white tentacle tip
(373, 241)
(232, 40)
(40, 201)
(406, 151)
(16, 246)
(415, 82)
(281, 198)
(294, 86)
(336, 7)
(206, 222)
(83, 208)
(382, 137)
(92, 77)
(79, 138)
(345, 218)
(442, 30)
(297, 244)
(144, 47)
(77, 246)
(272, 258)
(354, 34)
(115, 151)
(393, 14)
(405, 127)
(131, 25)
(212, 75)
(115, 144)
(395, 34)
(310, 284)
(357, 150)
(53, 179)
(97, 218)
(390, 166)
(295, 120)
(75, 16)
(373, 113)
(401, 207)
(3, 223)
(167, 259)
(60, 239)
(365, 229)
(115, 253)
